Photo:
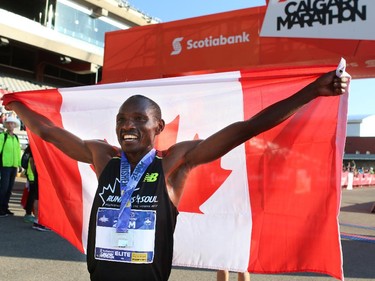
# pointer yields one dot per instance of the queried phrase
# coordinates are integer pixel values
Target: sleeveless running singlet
(145, 251)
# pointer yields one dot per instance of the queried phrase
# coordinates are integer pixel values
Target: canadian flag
(270, 205)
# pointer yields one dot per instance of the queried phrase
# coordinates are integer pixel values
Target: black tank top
(152, 207)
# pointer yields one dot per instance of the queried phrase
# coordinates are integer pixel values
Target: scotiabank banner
(208, 44)
(341, 19)
(231, 41)
(202, 44)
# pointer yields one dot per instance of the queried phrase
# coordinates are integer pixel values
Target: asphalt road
(28, 255)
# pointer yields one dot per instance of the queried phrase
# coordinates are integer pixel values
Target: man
(11, 162)
(142, 238)
(32, 205)
(223, 275)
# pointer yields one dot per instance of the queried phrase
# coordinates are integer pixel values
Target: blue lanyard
(128, 182)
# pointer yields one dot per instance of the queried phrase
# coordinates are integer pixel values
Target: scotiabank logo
(322, 12)
(176, 44)
(209, 42)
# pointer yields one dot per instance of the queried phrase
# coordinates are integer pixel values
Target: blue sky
(361, 90)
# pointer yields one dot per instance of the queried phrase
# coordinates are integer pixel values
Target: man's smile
(128, 137)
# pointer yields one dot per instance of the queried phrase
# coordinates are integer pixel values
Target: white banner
(334, 19)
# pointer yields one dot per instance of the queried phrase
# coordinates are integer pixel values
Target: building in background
(359, 156)
(360, 141)
(58, 43)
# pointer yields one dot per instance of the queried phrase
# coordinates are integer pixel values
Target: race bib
(136, 245)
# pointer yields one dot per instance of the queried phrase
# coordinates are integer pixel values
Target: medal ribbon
(128, 182)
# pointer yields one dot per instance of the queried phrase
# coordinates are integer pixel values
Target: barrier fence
(351, 180)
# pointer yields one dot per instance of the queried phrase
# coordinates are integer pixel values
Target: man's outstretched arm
(235, 134)
(67, 142)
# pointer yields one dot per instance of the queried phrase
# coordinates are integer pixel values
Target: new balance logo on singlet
(153, 177)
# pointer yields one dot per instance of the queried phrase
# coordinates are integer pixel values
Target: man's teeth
(129, 137)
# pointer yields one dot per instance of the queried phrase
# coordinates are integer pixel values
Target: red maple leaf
(202, 182)
(168, 137)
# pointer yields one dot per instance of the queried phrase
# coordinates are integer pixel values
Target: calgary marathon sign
(337, 19)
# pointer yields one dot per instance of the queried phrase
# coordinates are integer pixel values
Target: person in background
(2, 118)
(30, 182)
(33, 197)
(10, 151)
(223, 275)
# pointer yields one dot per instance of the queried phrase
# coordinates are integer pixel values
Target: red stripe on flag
(292, 178)
(60, 208)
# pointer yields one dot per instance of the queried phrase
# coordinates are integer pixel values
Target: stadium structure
(360, 140)
(58, 43)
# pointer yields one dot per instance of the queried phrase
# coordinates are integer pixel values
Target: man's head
(11, 123)
(137, 123)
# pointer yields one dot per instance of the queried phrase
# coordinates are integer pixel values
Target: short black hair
(151, 102)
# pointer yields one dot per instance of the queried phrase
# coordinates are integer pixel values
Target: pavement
(27, 254)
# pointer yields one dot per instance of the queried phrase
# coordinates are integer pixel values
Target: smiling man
(135, 207)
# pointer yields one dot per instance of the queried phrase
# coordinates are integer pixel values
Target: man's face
(10, 126)
(137, 126)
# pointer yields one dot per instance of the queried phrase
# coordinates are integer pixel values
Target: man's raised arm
(235, 134)
(67, 142)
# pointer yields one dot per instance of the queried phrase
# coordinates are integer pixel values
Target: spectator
(30, 178)
(2, 118)
(11, 163)
(32, 200)
(223, 275)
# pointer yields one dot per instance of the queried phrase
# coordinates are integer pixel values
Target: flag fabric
(270, 205)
